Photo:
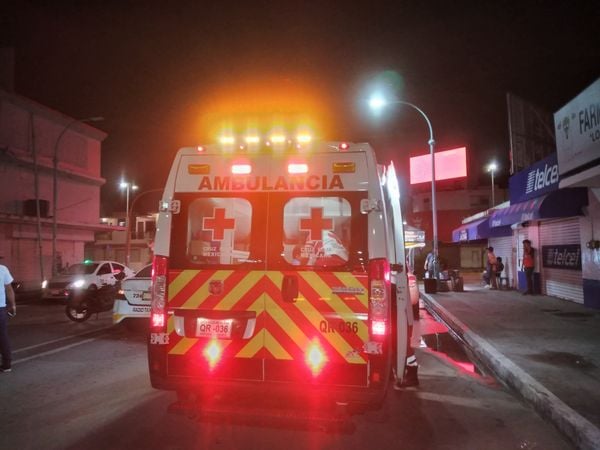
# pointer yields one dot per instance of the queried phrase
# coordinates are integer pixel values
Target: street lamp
(492, 167)
(377, 102)
(55, 181)
(127, 186)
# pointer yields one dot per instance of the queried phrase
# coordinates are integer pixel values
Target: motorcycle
(81, 305)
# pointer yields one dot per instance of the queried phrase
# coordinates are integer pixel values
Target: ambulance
(280, 266)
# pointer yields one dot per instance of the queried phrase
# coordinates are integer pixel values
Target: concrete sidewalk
(546, 349)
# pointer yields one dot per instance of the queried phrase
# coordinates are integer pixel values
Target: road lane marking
(64, 338)
(56, 350)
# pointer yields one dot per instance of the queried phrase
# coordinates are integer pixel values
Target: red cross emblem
(218, 224)
(316, 224)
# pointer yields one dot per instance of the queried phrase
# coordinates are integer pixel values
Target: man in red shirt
(528, 265)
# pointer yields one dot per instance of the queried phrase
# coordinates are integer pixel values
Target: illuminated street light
(55, 181)
(127, 186)
(377, 102)
(492, 167)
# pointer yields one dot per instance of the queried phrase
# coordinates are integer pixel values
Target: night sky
(164, 74)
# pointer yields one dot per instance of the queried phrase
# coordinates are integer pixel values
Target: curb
(578, 429)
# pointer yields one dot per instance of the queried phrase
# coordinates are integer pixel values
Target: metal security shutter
(567, 284)
(503, 248)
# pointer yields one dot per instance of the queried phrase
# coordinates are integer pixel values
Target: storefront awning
(560, 203)
(478, 229)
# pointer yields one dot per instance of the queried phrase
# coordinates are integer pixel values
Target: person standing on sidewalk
(7, 306)
(528, 265)
(491, 267)
(429, 265)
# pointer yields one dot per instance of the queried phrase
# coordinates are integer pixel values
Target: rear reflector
(344, 167)
(198, 169)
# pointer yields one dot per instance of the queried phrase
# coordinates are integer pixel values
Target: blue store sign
(538, 179)
(562, 256)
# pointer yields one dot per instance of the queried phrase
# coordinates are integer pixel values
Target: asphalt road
(85, 386)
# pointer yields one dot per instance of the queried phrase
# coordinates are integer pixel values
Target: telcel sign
(536, 180)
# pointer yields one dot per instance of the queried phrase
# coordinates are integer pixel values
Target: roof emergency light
(252, 139)
(278, 139)
(227, 140)
(344, 146)
(304, 138)
(295, 168)
(241, 169)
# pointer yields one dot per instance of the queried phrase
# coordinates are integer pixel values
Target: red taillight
(378, 327)
(158, 311)
(379, 296)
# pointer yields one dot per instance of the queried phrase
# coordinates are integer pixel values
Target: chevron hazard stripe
(331, 307)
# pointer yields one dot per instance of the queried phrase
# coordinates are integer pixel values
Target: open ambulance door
(404, 317)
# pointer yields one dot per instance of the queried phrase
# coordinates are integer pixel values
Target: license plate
(54, 292)
(213, 328)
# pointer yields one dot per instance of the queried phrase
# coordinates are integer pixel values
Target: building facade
(41, 148)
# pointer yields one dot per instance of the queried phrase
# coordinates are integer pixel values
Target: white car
(89, 275)
(133, 299)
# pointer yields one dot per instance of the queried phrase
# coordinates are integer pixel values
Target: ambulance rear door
(216, 273)
(316, 287)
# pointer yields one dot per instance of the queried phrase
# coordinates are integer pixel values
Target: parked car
(413, 289)
(88, 275)
(133, 298)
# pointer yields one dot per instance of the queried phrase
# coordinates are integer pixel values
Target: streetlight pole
(127, 186)
(55, 182)
(378, 102)
(492, 168)
(128, 237)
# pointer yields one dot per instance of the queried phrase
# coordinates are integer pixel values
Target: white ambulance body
(280, 268)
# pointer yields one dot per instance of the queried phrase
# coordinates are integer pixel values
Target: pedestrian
(7, 307)
(491, 268)
(528, 265)
(429, 265)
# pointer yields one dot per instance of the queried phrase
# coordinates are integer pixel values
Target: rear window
(145, 272)
(316, 231)
(219, 231)
(81, 269)
(270, 231)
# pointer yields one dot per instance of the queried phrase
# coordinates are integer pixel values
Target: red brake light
(379, 296)
(158, 311)
(378, 327)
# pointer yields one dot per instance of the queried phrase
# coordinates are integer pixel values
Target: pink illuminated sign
(448, 164)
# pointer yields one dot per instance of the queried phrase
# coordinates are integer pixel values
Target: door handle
(289, 288)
